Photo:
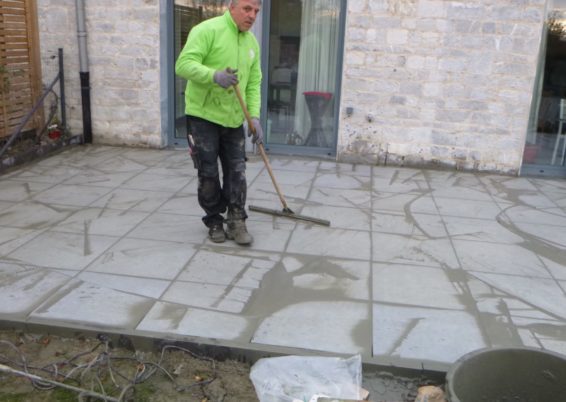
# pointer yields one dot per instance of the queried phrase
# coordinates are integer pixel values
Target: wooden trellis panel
(20, 67)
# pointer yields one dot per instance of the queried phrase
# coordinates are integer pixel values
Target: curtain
(317, 57)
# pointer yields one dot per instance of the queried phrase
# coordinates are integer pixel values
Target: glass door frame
(168, 68)
(295, 149)
(534, 169)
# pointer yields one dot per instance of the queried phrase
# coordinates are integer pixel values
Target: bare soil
(96, 365)
(115, 369)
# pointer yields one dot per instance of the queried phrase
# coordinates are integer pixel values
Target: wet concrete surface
(418, 267)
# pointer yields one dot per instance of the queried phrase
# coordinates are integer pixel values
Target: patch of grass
(13, 397)
(144, 392)
(64, 395)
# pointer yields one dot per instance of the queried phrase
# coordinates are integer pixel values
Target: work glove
(226, 78)
(257, 133)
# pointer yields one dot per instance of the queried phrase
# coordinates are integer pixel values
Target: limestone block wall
(123, 46)
(436, 82)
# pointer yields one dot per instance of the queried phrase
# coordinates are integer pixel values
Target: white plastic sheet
(302, 378)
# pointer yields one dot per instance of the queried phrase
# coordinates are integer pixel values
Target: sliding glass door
(302, 46)
(545, 148)
(305, 42)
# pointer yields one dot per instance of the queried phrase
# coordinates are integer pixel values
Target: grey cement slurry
(418, 268)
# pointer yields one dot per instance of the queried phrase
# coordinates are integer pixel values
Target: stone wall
(431, 82)
(434, 82)
(123, 46)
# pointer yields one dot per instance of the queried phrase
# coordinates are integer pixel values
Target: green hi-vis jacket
(213, 45)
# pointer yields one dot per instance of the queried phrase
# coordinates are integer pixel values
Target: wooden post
(4, 131)
(34, 59)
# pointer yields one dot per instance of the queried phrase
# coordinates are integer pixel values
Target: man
(219, 53)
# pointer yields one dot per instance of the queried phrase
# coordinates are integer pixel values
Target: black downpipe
(85, 95)
(83, 72)
(62, 90)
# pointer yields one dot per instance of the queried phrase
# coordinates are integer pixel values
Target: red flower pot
(54, 134)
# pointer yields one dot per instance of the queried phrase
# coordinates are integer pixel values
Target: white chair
(561, 135)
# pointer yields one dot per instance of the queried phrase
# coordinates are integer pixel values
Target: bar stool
(561, 135)
(317, 103)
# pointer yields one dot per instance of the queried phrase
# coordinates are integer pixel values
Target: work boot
(236, 230)
(216, 232)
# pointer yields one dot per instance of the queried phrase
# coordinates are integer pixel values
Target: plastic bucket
(507, 375)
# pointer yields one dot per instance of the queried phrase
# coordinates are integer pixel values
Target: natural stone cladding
(441, 83)
(431, 82)
(123, 50)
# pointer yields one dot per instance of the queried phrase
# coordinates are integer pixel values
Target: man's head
(244, 13)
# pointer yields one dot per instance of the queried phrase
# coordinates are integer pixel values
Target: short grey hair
(234, 2)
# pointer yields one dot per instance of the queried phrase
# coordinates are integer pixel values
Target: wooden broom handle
(260, 146)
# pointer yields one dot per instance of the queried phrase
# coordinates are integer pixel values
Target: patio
(418, 267)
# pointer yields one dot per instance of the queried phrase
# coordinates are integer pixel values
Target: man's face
(244, 13)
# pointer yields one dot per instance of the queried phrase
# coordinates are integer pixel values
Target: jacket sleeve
(253, 89)
(189, 63)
